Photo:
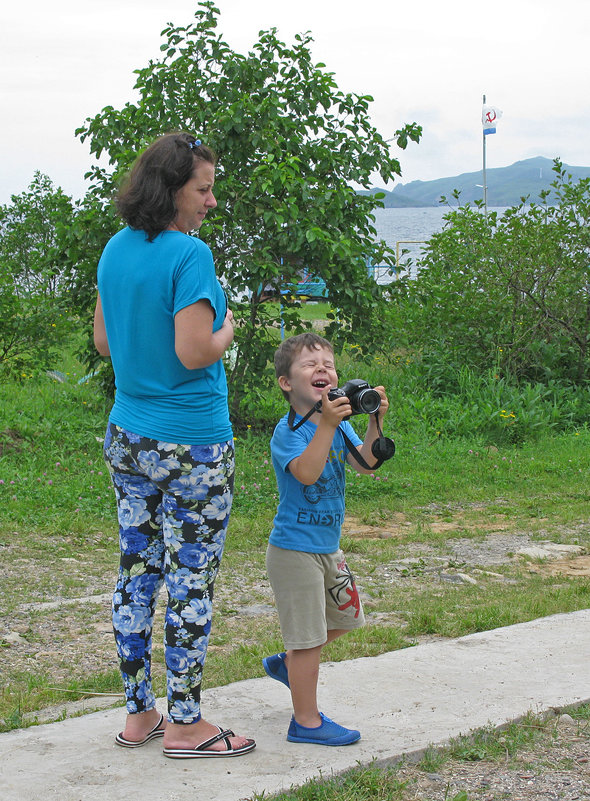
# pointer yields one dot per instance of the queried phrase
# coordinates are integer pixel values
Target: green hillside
(506, 185)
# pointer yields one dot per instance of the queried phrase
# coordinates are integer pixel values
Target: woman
(162, 317)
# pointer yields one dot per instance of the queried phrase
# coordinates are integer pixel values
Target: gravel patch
(556, 767)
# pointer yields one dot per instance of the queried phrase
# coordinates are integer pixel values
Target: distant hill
(506, 185)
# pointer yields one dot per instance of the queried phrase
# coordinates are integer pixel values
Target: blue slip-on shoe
(328, 733)
(276, 668)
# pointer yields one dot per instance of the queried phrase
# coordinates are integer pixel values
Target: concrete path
(402, 702)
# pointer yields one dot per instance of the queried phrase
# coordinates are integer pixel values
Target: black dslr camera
(362, 397)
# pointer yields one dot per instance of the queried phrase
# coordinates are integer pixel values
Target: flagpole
(485, 185)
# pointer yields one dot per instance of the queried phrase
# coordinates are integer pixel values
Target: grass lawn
(434, 510)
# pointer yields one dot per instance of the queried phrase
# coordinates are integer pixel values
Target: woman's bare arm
(195, 343)
(101, 342)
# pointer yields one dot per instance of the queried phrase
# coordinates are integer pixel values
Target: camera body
(362, 397)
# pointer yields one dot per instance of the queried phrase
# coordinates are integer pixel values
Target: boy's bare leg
(303, 666)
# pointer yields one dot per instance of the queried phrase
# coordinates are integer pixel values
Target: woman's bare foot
(140, 724)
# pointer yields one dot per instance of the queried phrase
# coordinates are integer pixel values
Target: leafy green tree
(80, 244)
(34, 297)
(509, 291)
(543, 256)
(291, 147)
(28, 228)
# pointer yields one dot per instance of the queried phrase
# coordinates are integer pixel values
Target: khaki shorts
(314, 594)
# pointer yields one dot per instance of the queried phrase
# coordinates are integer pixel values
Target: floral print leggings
(173, 504)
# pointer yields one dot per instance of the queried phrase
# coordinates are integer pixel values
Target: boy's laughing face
(311, 372)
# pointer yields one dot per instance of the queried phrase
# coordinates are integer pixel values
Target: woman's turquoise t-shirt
(142, 285)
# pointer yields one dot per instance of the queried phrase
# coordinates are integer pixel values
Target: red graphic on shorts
(345, 593)
(354, 600)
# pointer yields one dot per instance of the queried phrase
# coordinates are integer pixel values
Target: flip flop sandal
(203, 750)
(155, 732)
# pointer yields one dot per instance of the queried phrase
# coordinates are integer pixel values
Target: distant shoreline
(506, 186)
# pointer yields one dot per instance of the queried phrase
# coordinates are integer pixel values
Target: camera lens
(368, 401)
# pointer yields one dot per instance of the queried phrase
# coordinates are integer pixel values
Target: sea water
(408, 230)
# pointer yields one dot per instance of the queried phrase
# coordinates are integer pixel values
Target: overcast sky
(425, 61)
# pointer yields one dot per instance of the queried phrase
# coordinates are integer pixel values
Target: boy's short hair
(290, 348)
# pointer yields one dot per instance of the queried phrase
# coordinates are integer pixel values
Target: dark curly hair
(147, 199)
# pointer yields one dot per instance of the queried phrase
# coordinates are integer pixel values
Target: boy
(315, 593)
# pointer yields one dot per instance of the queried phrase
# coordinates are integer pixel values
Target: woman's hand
(229, 319)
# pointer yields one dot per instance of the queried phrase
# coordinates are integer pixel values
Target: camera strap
(291, 418)
(383, 448)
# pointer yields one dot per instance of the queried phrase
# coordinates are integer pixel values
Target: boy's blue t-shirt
(309, 518)
(142, 285)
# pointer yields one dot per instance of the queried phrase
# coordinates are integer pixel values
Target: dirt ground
(53, 635)
(557, 766)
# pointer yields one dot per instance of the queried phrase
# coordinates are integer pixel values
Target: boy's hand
(384, 402)
(373, 430)
(308, 466)
(334, 411)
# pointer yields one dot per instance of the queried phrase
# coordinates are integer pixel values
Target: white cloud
(428, 62)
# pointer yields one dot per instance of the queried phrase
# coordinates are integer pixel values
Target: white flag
(489, 117)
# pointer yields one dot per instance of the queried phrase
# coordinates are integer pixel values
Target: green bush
(35, 314)
(479, 405)
(291, 146)
(505, 292)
